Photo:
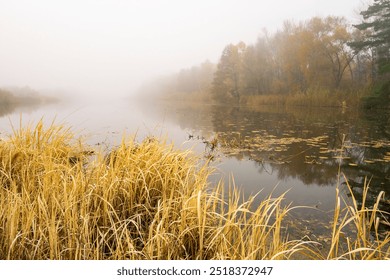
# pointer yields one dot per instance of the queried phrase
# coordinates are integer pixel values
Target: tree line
(321, 54)
(309, 55)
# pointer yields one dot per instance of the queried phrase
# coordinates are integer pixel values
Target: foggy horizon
(105, 48)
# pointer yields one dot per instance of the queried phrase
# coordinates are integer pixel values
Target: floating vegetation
(317, 148)
(262, 142)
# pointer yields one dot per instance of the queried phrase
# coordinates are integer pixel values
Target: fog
(111, 47)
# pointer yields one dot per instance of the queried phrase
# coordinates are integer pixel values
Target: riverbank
(60, 199)
(312, 98)
(10, 100)
(18, 97)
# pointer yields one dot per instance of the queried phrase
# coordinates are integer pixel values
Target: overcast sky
(112, 46)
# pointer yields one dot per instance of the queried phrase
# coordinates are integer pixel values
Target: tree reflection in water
(298, 144)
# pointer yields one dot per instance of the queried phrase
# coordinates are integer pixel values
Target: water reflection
(295, 146)
(9, 108)
(309, 149)
(6, 108)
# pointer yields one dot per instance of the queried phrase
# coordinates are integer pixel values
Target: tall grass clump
(139, 201)
(368, 241)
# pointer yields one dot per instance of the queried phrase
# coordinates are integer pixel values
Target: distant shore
(23, 96)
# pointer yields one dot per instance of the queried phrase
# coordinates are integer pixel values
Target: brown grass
(312, 98)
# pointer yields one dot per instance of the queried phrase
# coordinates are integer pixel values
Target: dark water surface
(305, 152)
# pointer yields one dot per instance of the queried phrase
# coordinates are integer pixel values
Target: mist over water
(110, 48)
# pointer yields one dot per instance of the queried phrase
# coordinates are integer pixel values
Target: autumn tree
(257, 68)
(331, 37)
(226, 85)
(294, 48)
(205, 77)
(195, 79)
(314, 54)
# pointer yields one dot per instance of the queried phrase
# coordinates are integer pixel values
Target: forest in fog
(323, 56)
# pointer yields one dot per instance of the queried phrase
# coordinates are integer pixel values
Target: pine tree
(377, 23)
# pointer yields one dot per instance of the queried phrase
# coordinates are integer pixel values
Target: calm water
(267, 150)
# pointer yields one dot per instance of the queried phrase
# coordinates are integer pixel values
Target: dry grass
(312, 98)
(141, 201)
(368, 242)
(198, 97)
(260, 100)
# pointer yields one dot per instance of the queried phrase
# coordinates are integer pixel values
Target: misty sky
(112, 46)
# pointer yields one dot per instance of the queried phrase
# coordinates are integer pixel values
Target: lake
(304, 152)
